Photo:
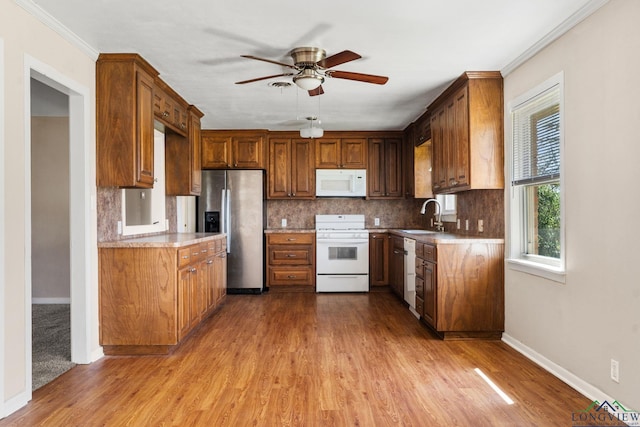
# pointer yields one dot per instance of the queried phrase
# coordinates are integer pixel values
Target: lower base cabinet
(460, 289)
(152, 297)
(291, 259)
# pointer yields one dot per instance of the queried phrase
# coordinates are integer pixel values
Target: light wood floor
(302, 359)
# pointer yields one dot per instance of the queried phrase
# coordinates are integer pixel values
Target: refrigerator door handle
(228, 219)
(223, 212)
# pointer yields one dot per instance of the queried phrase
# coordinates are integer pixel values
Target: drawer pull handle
(204, 251)
(291, 239)
(185, 256)
(196, 253)
(291, 255)
(291, 277)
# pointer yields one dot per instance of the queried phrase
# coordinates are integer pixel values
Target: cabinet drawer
(419, 287)
(196, 253)
(419, 305)
(290, 276)
(419, 267)
(419, 250)
(184, 256)
(291, 255)
(429, 252)
(291, 239)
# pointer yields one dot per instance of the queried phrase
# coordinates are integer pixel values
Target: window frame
(518, 259)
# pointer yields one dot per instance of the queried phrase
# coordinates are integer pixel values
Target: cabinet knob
(210, 261)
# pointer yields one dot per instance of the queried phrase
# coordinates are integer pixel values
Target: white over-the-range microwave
(341, 182)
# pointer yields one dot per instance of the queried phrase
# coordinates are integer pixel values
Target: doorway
(78, 211)
(50, 234)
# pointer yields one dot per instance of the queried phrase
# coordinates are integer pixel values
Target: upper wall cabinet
(347, 153)
(170, 108)
(233, 149)
(124, 121)
(183, 168)
(384, 174)
(467, 134)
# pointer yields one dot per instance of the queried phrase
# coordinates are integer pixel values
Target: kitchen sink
(418, 231)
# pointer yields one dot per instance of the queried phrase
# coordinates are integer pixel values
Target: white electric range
(342, 254)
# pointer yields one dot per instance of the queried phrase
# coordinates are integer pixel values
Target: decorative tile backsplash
(487, 205)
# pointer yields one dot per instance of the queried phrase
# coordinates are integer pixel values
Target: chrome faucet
(439, 225)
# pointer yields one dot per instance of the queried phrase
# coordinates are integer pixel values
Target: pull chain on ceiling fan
(312, 66)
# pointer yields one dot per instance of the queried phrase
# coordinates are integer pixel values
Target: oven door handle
(343, 241)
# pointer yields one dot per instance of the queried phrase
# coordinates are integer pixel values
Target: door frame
(82, 214)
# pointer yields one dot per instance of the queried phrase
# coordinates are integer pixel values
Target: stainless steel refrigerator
(232, 202)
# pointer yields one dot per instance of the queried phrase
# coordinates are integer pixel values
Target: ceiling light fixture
(312, 131)
(308, 79)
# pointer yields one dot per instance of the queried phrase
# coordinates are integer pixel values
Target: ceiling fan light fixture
(308, 79)
(312, 131)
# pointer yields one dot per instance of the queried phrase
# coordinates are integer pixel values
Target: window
(143, 210)
(536, 165)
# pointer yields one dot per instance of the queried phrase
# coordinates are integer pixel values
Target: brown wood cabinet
(396, 265)
(170, 108)
(291, 259)
(384, 174)
(467, 134)
(233, 149)
(183, 166)
(335, 153)
(379, 259)
(291, 173)
(460, 288)
(124, 121)
(152, 297)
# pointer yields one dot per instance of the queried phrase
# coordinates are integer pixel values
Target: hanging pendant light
(312, 131)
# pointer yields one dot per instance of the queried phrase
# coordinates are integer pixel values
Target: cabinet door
(327, 153)
(378, 259)
(396, 264)
(353, 153)
(393, 167)
(184, 302)
(144, 140)
(195, 142)
(375, 171)
(438, 146)
(303, 177)
(215, 151)
(279, 168)
(430, 293)
(460, 141)
(220, 266)
(247, 152)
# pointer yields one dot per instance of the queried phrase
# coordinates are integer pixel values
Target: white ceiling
(421, 45)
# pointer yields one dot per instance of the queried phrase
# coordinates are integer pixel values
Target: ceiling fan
(312, 66)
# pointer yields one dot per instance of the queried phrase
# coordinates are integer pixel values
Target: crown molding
(579, 16)
(58, 27)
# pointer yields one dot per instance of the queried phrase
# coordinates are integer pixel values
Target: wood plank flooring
(306, 359)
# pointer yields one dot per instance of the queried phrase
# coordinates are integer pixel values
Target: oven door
(342, 256)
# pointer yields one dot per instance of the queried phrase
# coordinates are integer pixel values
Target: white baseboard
(583, 387)
(50, 300)
(17, 402)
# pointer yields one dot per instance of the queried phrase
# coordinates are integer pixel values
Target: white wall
(27, 38)
(595, 315)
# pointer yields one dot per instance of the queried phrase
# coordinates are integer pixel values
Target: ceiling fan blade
(269, 60)
(317, 91)
(264, 78)
(367, 78)
(339, 58)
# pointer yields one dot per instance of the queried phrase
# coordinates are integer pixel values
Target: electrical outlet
(376, 221)
(119, 227)
(615, 370)
(431, 222)
(458, 224)
(284, 222)
(480, 226)
(466, 224)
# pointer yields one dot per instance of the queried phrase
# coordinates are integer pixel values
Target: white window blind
(536, 134)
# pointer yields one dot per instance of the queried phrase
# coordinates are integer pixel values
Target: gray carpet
(51, 346)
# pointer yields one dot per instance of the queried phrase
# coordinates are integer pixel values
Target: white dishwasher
(410, 274)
